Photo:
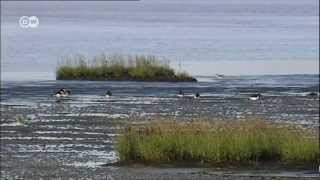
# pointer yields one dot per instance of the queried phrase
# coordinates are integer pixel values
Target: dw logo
(29, 22)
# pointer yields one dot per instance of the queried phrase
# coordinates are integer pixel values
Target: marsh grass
(217, 143)
(118, 67)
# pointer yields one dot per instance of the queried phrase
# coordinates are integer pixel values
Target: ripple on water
(80, 131)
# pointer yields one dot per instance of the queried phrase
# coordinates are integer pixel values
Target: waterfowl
(220, 76)
(180, 94)
(62, 93)
(312, 94)
(108, 94)
(255, 97)
(66, 93)
(59, 93)
(197, 95)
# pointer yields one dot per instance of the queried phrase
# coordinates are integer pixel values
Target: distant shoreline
(132, 80)
(41, 76)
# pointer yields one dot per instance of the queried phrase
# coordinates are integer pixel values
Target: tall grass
(118, 67)
(215, 143)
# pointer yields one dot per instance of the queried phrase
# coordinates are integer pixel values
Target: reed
(217, 143)
(119, 68)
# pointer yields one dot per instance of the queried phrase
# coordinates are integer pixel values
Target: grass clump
(119, 68)
(217, 143)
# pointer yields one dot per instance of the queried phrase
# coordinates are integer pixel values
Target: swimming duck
(312, 94)
(108, 94)
(220, 76)
(67, 93)
(180, 94)
(62, 93)
(255, 97)
(59, 93)
(197, 95)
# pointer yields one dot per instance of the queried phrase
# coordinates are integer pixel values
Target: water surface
(205, 37)
(78, 133)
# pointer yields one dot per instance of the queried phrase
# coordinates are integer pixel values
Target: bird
(66, 93)
(62, 93)
(255, 97)
(220, 76)
(180, 94)
(108, 94)
(197, 95)
(59, 93)
(312, 94)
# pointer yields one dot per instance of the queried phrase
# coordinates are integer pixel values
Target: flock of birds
(65, 93)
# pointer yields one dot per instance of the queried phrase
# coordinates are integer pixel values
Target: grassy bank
(217, 143)
(119, 68)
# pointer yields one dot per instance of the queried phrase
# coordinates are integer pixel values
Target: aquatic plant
(217, 143)
(118, 67)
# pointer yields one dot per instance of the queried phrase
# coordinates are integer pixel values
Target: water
(79, 133)
(284, 98)
(205, 37)
(42, 136)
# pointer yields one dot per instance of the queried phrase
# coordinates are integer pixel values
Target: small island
(119, 68)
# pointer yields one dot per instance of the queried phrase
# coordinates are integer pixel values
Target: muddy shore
(75, 137)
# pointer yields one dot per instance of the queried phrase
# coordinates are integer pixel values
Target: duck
(66, 93)
(62, 93)
(255, 97)
(180, 94)
(59, 93)
(312, 94)
(108, 94)
(220, 76)
(197, 95)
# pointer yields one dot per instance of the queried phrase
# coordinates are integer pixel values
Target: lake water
(206, 37)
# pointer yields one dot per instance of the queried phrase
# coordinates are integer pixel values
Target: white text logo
(29, 21)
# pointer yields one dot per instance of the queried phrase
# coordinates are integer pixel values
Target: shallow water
(71, 137)
(80, 131)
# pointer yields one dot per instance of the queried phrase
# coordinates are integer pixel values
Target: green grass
(217, 143)
(119, 68)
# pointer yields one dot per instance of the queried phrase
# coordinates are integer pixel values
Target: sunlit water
(81, 130)
(256, 37)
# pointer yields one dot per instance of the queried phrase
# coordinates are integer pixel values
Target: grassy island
(220, 143)
(119, 68)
